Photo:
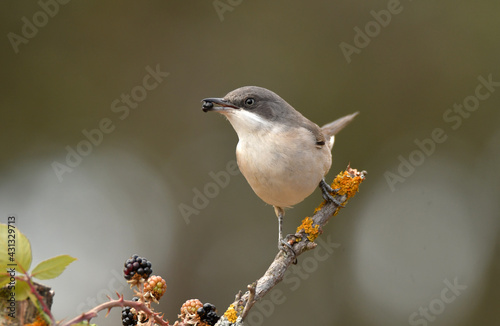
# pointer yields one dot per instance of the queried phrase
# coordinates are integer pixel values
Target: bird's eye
(249, 101)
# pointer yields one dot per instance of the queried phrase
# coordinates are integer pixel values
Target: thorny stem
(120, 302)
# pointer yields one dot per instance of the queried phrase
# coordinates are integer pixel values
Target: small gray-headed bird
(283, 155)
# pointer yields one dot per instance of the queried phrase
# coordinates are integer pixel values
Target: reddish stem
(120, 302)
(27, 279)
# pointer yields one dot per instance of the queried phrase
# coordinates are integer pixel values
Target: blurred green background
(419, 245)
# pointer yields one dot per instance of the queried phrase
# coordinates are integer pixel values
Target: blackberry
(209, 307)
(156, 286)
(137, 267)
(190, 307)
(212, 318)
(129, 318)
(208, 314)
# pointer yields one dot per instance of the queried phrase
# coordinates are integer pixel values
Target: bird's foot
(287, 247)
(327, 191)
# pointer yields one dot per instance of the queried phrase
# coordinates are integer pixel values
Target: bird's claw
(286, 247)
(327, 190)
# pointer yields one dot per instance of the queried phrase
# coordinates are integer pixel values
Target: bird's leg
(327, 191)
(280, 213)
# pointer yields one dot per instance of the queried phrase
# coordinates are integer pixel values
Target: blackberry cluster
(129, 318)
(208, 314)
(137, 266)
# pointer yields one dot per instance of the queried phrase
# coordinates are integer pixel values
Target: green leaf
(22, 290)
(15, 248)
(52, 268)
(23, 251)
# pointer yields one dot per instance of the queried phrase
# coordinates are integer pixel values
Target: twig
(251, 299)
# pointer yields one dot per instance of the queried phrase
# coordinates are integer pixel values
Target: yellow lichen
(311, 231)
(347, 184)
(317, 209)
(231, 314)
(39, 321)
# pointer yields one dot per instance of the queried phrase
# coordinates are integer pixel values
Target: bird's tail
(332, 128)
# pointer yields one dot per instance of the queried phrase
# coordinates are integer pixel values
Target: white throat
(248, 124)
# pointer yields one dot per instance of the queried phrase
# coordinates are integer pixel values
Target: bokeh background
(424, 251)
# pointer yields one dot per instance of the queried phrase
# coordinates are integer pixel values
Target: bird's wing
(315, 130)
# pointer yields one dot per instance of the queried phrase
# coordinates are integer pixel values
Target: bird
(283, 155)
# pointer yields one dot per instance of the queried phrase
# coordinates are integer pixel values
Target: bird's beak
(216, 104)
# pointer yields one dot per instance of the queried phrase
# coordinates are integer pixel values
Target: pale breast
(283, 170)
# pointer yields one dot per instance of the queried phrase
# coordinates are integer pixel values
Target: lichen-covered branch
(346, 185)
